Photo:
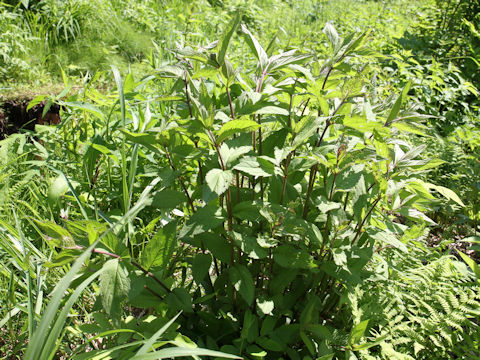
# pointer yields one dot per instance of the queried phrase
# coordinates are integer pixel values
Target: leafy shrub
(250, 201)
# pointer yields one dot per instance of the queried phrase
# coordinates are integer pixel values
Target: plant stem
(179, 179)
(229, 199)
(230, 103)
(185, 79)
(360, 226)
(152, 275)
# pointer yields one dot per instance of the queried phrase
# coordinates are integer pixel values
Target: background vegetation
(241, 179)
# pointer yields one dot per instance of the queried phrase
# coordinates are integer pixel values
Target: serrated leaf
(360, 123)
(332, 35)
(272, 110)
(255, 167)
(114, 286)
(84, 106)
(204, 219)
(305, 128)
(201, 265)
(168, 199)
(219, 180)
(226, 38)
(242, 280)
(160, 247)
(390, 239)
(289, 257)
(447, 193)
(235, 127)
(140, 138)
(348, 178)
(407, 127)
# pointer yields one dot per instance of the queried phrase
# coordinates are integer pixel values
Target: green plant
(425, 308)
(266, 195)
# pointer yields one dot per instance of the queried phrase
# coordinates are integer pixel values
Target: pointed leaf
(402, 98)
(114, 286)
(226, 38)
(234, 127)
(242, 280)
(256, 48)
(357, 332)
(160, 247)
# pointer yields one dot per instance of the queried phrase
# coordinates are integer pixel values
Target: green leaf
(180, 299)
(226, 38)
(471, 263)
(114, 286)
(332, 35)
(411, 128)
(349, 177)
(357, 332)
(370, 344)
(447, 193)
(389, 239)
(360, 123)
(168, 199)
(289, 257)
(140, 138)
(305, 128)
(201, 265)
(272, 110)
(56, 234)
(401, 100)
(84, 106)
(234, 127)
(255, 167)
(286, 58)
(219, 180)
(204, 219)
(256, 48)
(160, 247)
(57, 189)
(242, 280)
(149, 343)
(183, 352)
(48, 328)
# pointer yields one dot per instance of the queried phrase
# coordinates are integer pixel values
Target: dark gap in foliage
(15, 116)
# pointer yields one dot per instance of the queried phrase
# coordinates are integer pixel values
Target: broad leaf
(160, 247)
(234, 127)
(168, 199)
(349, 177)
(357, 332)
(255, 167)
(114, 286)
(242, 280)
(219, 180)
(200, 267)
(471, 263)
(55, 234)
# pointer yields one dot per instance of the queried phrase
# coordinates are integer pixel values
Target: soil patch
(15, 117)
